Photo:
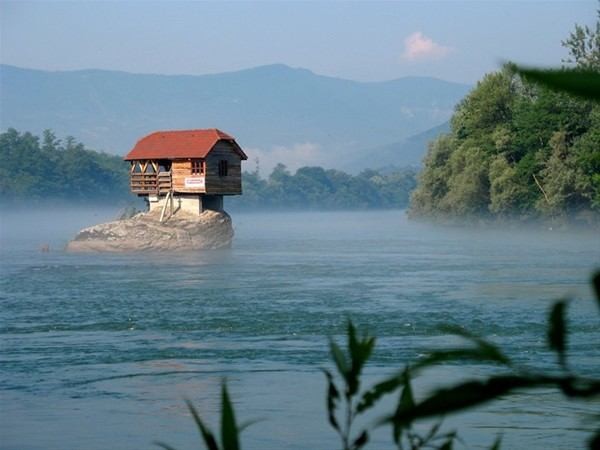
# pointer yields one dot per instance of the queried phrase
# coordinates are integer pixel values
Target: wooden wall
(214, 184)
(232, 183)
(180, 170)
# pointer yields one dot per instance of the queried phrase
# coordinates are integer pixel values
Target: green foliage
(579, 82)
(349, 365)
(584, 46)
(32, 171)
(535, 156)
(230, 431)
(51, 169)
(316, 188)
(524, 143)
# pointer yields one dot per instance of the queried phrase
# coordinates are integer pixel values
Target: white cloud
(293, 156)
(418, 46)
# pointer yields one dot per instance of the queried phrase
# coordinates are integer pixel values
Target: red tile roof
(180, 144)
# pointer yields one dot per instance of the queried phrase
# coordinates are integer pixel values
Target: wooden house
(189, 170)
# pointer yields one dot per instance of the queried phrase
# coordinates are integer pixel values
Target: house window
(223, 168)
(164, 166)
(197, 167)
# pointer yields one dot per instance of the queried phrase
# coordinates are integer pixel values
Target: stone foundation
(183, 231)
(189, 203)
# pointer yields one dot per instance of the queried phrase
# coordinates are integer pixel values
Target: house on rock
(190, 170)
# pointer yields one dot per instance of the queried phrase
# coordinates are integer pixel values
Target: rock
(144, 232)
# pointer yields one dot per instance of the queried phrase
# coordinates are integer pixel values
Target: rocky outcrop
(144, 232)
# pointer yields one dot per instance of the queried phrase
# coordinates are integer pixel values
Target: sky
(364, 41)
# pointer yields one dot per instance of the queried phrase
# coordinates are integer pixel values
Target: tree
(584, 46)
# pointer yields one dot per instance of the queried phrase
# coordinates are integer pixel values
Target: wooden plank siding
(180, 170)
(232, 183)
(150, 183)
(161, 182)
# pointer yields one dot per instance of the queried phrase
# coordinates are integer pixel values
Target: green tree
(584, 46)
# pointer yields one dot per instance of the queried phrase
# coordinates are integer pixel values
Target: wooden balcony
(150, 183)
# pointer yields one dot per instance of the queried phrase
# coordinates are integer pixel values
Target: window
(197, 167)
(223, 168)
(164, 166)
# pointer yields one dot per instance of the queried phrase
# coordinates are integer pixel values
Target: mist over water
(99, 350)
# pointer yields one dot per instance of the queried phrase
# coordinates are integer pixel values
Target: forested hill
(51, 170)
(35, 169)
(515, 150)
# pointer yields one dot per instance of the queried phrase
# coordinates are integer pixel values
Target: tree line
(316, 188)
(47, 168)
(35, 169)
(518, 150)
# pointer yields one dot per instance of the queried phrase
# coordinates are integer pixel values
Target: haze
(366, 41)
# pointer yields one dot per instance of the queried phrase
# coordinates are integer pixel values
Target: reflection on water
(99, 350)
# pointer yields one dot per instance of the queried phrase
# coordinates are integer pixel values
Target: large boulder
(144, 232)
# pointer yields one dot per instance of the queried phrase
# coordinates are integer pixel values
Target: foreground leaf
(406, 403)
(594, 443)
(339, 358)
(596, 283)
(582, 83)
(360, 350)
(462, 354)
(370, 397)
(557, 331)
(163, 445)
(463, 396)
(496, 444)
(229, 431)
(209, 439)
(361, 440)
(333, 396)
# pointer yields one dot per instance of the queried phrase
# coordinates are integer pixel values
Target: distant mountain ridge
(265, 108)
(411, 148)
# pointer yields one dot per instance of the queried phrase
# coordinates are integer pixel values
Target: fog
(57, 224)
(32, 228)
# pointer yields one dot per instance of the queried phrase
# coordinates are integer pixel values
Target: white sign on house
(194, 182)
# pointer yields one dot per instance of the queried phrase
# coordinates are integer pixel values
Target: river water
(99, 351)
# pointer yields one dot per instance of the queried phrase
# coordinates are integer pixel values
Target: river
(99, 351)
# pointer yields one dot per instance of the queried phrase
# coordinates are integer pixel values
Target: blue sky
(369, 41)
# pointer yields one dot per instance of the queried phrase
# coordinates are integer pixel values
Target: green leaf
(370, 397)
(485, 350)
(496, 444)
(462, 396)
(209, 439)
(339, 358)
(462, 354)
(163, 445)
(360, 351)
(407, 400)
(333, 396)
(596, 283)
(405, 403)
(594, 442)
(361, 440)
(582, 83)
(557, 331)
(247, 424)
(447, 445)
(229, 431)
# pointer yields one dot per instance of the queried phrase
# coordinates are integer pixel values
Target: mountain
(410, 151)
(273, 111)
